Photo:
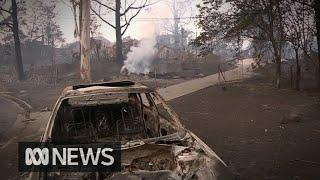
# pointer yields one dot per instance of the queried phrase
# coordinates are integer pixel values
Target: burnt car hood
(180, 160)
(185, 159)
(146, 175)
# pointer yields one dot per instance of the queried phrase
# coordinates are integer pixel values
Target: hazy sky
(145, 24)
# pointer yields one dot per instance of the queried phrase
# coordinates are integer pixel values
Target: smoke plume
(139, 59)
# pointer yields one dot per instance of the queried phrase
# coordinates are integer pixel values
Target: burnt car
(154, 143)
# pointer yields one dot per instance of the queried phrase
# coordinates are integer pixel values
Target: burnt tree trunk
(85, 71)
(298, 70)
(278, 72)
(317, 18)
(277, 56)
(276, 41)
(17, 46)
(98, 51)
(119, 55)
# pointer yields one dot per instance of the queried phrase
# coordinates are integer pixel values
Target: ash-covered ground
(261, 132)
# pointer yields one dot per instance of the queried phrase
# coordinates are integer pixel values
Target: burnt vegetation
(286, 29)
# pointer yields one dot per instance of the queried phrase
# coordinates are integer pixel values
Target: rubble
(45, 109)
(291, 117)
(266, 107)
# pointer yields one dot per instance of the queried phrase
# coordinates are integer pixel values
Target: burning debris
(140, 58)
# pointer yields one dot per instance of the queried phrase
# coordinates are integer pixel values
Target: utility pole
(85, 70)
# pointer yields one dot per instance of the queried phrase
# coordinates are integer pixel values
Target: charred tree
(257, 20)
(277, 56)
(295, 32)
(82, 31)
(122, 11)
(11, 22)
(298, 70)
(97, 47)
(315, 4)
(85, 71)
(119, 54)
(17, 47)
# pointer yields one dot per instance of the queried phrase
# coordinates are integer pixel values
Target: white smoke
(139, 59)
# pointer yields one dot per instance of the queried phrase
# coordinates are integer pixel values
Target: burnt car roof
(105, 87)
(106, 84)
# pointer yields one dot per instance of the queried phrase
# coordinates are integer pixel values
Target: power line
(145, 19)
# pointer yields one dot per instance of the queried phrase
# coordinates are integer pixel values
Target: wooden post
(85, 71)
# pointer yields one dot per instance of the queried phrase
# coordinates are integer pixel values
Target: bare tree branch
(131, 7)
(104, 5)
(128, 8)
(7, 21)
(99, 16)
(128, 22)
(6, 24)
(304, 3)
(119, 27)
(5, 10)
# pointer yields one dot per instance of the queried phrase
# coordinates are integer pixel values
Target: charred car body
(154, 144)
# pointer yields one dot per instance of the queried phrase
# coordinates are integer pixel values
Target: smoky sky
(150, 19)
(157, 18)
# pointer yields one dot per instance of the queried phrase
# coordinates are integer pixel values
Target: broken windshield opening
(110, 117)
